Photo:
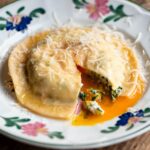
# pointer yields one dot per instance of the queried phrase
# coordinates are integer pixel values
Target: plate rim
(117, 140)
(78, 146)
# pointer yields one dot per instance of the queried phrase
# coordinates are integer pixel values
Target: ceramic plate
(26, 17)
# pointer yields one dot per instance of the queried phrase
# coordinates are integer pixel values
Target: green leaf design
(84, 1)
(13, 121)
(117, 18)
(143, 121)
(9, 123)
(18, 126)
(118, 13)
(119, 9)
(114, 128)
(37, 11)
(2, 19)
(23, 120)
(55, 134)
(109, 18)
(13, 118)
(130, 127)
(9, 13)
(147, 110)
(110, 129)
(20, 9)
(79, 3)
(111, 8)
(2, 26)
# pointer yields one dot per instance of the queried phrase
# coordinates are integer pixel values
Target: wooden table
(140, 143)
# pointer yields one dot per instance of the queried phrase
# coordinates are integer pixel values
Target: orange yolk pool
(112, 109)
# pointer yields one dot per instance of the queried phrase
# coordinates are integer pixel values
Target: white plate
(20, 124)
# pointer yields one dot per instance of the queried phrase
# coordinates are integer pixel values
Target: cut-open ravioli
(44, 82)
(105, 55)
(107, 58)
(45, 75)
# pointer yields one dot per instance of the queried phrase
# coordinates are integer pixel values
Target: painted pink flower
(134, 120)
(33, 129)
(98, 9)
(15, 19)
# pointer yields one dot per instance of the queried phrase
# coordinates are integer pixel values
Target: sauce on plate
(112, 109)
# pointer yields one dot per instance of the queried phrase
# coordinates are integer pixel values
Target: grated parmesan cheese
(138, 38)
(98, 49)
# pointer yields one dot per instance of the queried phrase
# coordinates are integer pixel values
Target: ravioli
(46, 86)
(54, 71)
(109, 60)
(44, 68)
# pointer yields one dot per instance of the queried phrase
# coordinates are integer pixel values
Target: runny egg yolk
(112, 109)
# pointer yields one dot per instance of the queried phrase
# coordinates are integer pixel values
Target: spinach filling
(106, 85)
(82, 96)
(115, 93)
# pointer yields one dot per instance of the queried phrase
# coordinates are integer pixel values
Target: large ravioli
(44, 70)
(62, 100)
(107, 56)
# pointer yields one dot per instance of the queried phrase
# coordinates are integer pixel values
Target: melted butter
(112, 109)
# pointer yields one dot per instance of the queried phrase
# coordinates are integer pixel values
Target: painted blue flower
(139, 113)
(123, 119)
(21, 26)
(129, 119)
(18, 22)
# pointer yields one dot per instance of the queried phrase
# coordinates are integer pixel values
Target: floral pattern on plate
(100, 8)
(31, 129)
(19, 22)
(129, 119)
(24, 128)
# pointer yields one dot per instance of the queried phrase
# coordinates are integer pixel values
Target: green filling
(106, 86)
(115, 93)
(83, 96)
(94, 97)
(96, 94)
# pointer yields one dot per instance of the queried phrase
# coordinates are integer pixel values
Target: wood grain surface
(140, 143)
(5, 2)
